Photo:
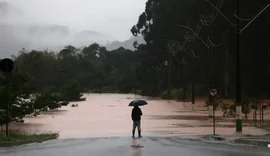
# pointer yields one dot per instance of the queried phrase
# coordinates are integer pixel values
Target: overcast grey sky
(114, 17)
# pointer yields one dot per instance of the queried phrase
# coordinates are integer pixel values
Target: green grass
(23, 137)
(267, 126)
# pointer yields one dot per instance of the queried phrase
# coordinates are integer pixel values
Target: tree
(47, 98)
(18, 93)
(72, 91)
(68, 51)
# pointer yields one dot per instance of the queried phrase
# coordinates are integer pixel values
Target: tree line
(46, 80)
(192, 60)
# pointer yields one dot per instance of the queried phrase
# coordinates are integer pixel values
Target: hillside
(18, 30)
(128, 44)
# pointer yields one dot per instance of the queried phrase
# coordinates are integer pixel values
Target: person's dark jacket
(136, 114)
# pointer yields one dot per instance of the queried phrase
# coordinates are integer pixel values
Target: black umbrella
(137, 103)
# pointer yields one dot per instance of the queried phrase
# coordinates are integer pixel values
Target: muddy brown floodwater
(109, 115)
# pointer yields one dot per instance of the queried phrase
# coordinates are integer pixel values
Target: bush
(72, 91)
(215, 104)
(138, 92)
(176, 94)
(164, 95)
(228, 109)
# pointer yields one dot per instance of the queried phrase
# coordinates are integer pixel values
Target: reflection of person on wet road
(136, 117)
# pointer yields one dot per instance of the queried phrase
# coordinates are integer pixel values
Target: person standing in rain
(136, 117)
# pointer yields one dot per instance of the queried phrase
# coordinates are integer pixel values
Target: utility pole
(238, 75)
(226, 74)
(193, 95)
(262, 111)
(7, 65)
(169, 74)
(262, 101)
(184, 83)
(7, 105)
(210, 99)
(212, 82)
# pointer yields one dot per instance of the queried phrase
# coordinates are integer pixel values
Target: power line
(218, 10)
(252, 17)
(224, 38)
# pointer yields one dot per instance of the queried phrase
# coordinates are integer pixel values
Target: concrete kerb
(217, 140)
(246, 140)
(262, 127)
(253, 141)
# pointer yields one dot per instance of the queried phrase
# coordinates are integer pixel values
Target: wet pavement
(126, 146)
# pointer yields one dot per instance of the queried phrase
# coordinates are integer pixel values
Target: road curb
(214, 138)
(262, 127)
(253, 141)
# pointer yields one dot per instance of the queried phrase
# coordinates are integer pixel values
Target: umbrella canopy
(137, 103)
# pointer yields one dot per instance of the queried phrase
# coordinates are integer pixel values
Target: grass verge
(26, 137)
(267, 126)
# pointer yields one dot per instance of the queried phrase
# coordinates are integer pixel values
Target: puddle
(136, 146)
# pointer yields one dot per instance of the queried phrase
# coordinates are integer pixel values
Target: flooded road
(109, 115)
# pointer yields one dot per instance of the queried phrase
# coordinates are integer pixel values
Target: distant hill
(127, 44)
(18, 30)
(41, 37)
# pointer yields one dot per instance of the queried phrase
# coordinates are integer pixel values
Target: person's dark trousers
(138, 125)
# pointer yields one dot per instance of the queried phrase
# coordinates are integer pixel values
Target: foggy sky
(113, 17)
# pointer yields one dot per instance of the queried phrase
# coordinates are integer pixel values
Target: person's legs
(139, 128)
(133, 129)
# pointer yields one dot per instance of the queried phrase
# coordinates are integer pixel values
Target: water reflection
(55, 112)
(136, 149)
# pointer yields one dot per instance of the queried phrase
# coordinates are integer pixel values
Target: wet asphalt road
(125, 146)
